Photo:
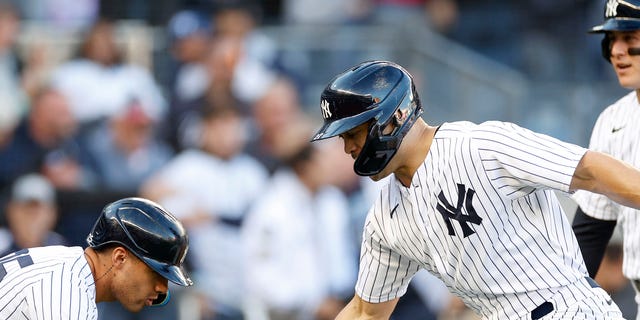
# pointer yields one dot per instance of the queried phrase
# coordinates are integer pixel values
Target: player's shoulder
(61, 253)
(461, 128)
(630, 100)
(488, 130)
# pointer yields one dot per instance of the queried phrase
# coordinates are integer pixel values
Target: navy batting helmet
(619, 15)
(147, 230)
(372, 91)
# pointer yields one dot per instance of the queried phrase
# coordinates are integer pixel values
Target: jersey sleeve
(384, 275)
(593, 204)
(519, 161)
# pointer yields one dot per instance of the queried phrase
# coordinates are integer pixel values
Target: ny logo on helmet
(612, 8)
(324, 105)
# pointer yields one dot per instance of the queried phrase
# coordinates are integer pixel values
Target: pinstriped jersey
(482, 216)
(47, 283)
(617, 133)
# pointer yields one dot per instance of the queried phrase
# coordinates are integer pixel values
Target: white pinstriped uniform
(617, 132)
(523, 251)
(47, 283)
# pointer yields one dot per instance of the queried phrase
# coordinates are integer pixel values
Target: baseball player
(616, 132)
(135, 248)
(474, 204)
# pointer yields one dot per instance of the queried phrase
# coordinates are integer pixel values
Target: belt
(547, 307)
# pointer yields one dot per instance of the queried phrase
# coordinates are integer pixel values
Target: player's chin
(137, 306)
(629, 82)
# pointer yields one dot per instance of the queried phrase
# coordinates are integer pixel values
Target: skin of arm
(360, 309)
(600, 173)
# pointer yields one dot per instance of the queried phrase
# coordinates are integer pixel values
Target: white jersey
(482, 216)
(617, 133)
(47, 283)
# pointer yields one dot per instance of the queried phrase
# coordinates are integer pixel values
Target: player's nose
(618, 47)
(349, 146)
(162, 286)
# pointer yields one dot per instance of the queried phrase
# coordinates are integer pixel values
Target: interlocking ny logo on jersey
(324, 105)
(612, 8)
(465, 196)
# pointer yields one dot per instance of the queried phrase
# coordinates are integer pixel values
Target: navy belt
(547, 307)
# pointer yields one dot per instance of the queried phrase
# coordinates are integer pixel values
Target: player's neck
(415, 151)
(98, 272)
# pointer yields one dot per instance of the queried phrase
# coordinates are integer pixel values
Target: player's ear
(119, 255)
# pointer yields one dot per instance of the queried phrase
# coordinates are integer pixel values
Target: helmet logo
(612, 8)
(324, 106)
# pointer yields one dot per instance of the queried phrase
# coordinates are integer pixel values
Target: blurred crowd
(215, 129)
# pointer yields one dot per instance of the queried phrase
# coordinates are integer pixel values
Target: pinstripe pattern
(518, 257)
(617, 132)
(581, 301)
(57, 285)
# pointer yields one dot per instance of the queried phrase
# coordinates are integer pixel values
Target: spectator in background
(225, 63)
(301, 263)
(210, 189)
(120, 154)
(240, 19)
(257, 59)
(190, 38)
(98, 81)
(278, 108)
(48, 125)
(31, 215)
(19, 75)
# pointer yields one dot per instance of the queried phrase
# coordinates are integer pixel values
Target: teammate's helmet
(372, 91)
(619, 15)
(147, 230)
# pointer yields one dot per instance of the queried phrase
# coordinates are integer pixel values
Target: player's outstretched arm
(360, 309)
(601, 173)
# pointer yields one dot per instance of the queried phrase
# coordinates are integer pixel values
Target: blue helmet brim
(172, 273)
(617, 24)
(340, 126)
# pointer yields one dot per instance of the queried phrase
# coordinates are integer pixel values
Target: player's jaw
(140, 287)
(628, 71)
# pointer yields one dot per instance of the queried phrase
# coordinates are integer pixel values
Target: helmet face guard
(379, 148)
(619, 15)
(376, 91)
(148, 231)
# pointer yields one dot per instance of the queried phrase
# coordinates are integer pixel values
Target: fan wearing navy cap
(31, 214)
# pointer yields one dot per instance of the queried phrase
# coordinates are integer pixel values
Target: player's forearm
(358, 309)
(601, 173)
